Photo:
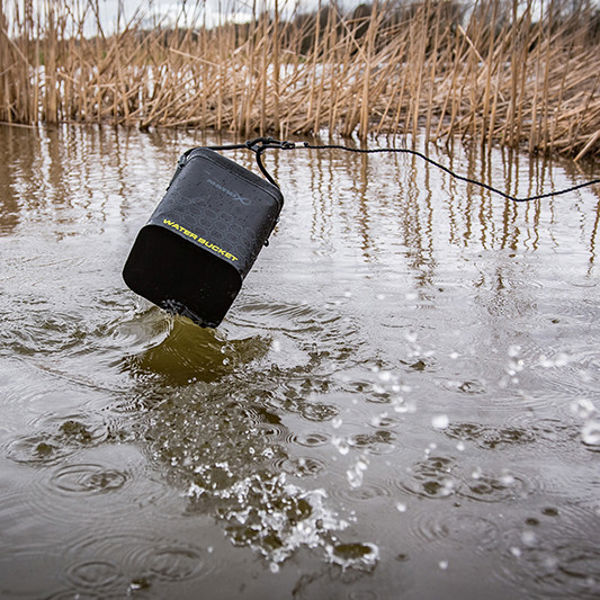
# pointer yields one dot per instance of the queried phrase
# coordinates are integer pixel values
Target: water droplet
(410, 337)
(529, 538)
(516, 552)
(447, 488)
(582, 408)
(136, 585)
(274, 567)
(440, 422)
(507, 479)
(336, 423)
(513, 351)
(561, 359)
(380, 296)
(385, 376)
(590, 433)
(443, 564)
(377, 420)
(341, 444)
(276, 346)
(460, 446)
(355, 474)
(401, 507)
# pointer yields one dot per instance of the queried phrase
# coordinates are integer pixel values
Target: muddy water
(401, 402)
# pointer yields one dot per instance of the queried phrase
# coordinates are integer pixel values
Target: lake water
(401, 402)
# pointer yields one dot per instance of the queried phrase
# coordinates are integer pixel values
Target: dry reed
(488, 72)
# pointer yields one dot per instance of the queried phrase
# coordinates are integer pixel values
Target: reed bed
(491, 72)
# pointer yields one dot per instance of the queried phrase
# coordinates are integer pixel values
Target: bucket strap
(260, 145)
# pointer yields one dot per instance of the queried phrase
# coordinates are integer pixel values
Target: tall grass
(492, 72)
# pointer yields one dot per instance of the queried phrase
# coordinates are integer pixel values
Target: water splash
(273, 517)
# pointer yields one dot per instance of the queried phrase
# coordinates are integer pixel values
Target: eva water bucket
(200, 242)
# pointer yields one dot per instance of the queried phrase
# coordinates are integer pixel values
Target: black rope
(262, 144)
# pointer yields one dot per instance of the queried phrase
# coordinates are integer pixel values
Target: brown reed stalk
(496, 77)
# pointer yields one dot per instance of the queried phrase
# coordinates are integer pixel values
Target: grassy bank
(493, 72)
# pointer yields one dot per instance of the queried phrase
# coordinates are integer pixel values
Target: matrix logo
(231, 194)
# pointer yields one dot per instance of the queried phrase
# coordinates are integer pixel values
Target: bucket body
(203, 237)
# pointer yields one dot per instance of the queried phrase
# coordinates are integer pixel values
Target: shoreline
(491, 76)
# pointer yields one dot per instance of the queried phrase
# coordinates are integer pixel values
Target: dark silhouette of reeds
(492, 72)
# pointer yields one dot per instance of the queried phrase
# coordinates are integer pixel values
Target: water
(402, 402)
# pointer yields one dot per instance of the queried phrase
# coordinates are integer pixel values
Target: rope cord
(262, 144)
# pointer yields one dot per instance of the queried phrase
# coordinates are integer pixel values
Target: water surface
(400, 403)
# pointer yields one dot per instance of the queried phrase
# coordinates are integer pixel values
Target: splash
(276, 518)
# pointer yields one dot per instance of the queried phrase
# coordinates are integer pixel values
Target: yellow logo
(200, 240)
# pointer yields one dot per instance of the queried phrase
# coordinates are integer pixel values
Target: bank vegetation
(517, 74)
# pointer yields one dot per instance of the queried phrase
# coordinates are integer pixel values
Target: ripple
(29, 571)
(59, 437)
(548, 432)
(355, 555)
(503, 487)
(319, 411)
(555, 566)
(25, 395)
(378, 443)
(384, 421)
(468, 386)
(460, 529)
(76, 492)
(301, 466)
(291, 318)
(432, 478)
(174, 563)
(16, 516)
(88, 479)
(490, 437)
(366, 491)
(310, 439)
(37, 450)
(555, 431)
(104, 560)
(323, 337)
(95, 574)
(272, 432)
(43, 333)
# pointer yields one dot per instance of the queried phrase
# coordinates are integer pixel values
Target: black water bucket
(203, 237)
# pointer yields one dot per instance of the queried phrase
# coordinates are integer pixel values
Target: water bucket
(203, 237)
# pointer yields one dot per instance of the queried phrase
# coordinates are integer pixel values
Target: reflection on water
(402, 400)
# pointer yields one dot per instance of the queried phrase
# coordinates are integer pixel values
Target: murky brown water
(399, 404)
